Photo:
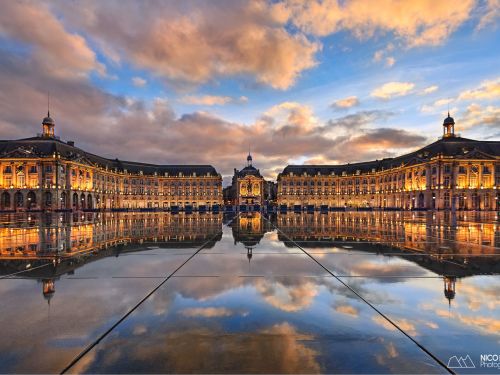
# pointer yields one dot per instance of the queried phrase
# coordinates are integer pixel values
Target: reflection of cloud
(276, 349)
(140, 329)
(391, 267)
(347, 309)
(286, 297)
(404, 324)
(206, 312)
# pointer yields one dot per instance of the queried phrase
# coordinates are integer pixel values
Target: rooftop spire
(48, 123)
(249, 157)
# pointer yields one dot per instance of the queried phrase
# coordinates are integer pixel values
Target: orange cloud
(347, 102)
(58, 51)
(392, 89)
(487, 90)
(195, 43)
(210, 100)
(416, 23)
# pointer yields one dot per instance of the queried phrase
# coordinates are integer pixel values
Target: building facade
(45, 173)
(451, 173)
(248, 186)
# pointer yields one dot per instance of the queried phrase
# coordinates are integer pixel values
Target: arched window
(5, 201)
(31, 199)
(47, 199)
(19, 199)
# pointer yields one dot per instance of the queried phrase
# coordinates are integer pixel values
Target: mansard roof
(249, 170)
(457, 147)
(46, 147)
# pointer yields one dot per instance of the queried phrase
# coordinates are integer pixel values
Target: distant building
(451, 173)
(248, 186)
(45, 173)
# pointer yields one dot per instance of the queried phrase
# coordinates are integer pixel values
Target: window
(486, 169)
(48, 168)
(461, 169)
(447, 168)
(7, 169)
(33, 169)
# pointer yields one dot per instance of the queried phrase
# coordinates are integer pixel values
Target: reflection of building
(425, 233)
(48, 289)
(249, 229)
(449, 287)
(66, 235)
(452, 173)
(434, 241)
(44, 172)
(47, 246)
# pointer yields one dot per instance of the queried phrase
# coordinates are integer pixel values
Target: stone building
(248, 186)
(451, 173)
(45, 173)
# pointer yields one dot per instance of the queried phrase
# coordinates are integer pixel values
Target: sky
(294, 81)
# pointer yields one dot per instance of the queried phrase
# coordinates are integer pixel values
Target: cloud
(211, 100)
(435, 106)
(139, 82)
(415, 23)
(478, 116)
(193, 43)
(490, 15)
(347, 102)
(487, 90)
(390, 61)
(392, 89)
(55, 49)
(355, 121)
(429, 89)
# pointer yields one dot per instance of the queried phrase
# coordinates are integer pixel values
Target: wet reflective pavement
(344, 292)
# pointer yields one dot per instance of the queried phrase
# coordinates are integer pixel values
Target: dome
(448, 120)
(48, 120)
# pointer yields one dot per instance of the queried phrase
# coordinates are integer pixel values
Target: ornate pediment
(81, 159)
(476, 154)
(21, 152)
(413, 161)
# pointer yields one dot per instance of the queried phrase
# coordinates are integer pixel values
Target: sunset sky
(189, 82)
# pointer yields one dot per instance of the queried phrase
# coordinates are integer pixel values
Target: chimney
(71, 143)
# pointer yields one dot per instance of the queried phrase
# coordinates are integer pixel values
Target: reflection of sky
(245, 314)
